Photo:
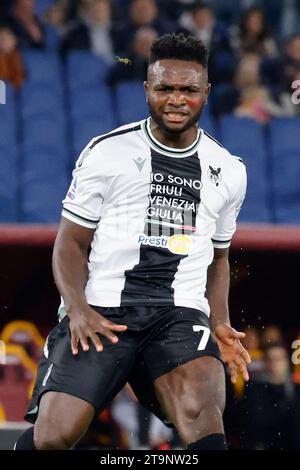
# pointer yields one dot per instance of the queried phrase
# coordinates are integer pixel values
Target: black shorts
(179, 335)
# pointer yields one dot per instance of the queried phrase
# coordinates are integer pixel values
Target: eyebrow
(167, 85)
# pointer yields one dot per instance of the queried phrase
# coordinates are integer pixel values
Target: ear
(218, 170)
(146, 88)
(207, 92)
(211, 169)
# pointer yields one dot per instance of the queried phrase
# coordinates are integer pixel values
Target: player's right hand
(89, 324)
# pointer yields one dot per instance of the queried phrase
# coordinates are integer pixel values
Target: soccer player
(141, 263)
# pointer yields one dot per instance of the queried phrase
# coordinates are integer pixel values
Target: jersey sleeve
(226, 223)
(83, 202)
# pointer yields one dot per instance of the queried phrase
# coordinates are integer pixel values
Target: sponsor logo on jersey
(139, 163)
(177, 244)
(72, 191)
(214, 175)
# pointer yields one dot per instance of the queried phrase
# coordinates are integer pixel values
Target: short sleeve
(84, 198)
(226, 223)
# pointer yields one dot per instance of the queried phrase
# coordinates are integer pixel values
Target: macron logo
(139, 163)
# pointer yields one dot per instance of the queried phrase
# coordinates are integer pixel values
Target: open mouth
(175, 116)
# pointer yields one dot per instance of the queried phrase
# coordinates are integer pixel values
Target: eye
(165, 88)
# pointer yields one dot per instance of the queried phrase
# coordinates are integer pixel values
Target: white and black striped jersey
(157, 213)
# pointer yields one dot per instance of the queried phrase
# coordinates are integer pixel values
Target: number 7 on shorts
(205, 336)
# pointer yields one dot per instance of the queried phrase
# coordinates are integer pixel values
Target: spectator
(138, 54)
(142, 13)
(289, 77)
(246, 96)
(272, 404)
(251, 342)
(201, 22)
(291, 59)
(92, 31)
(25, 24)
(255, 100)
(11, 67)
(55, 23)
(253, 345)
(271, 334)
(56, 16)
(253, 35)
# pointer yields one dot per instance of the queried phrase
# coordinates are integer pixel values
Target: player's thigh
(192, 387)
(185, 363)
(62, 419)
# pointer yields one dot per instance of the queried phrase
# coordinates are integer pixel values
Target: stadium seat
(85, 70)
(41, 98)
(245, 138)
(43, 68)
(8, 183)
(84, 131)
(53, 38)
(42, 131)
(16, 382)
(8, 118)
(25, 334)
(207, 122)
(91, 102)
(285, 169)
(130, 102)
(42, 198)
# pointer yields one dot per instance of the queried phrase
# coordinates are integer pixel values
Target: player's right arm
(70, 269)
(82, 210)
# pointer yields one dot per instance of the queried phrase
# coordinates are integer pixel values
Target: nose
(176, 98)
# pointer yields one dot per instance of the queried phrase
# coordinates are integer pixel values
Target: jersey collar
(169, 151)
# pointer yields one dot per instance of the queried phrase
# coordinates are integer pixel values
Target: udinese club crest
(214, 175)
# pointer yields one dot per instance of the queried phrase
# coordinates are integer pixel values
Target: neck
(174, 139)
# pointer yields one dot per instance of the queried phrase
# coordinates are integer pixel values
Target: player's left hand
(232, 351)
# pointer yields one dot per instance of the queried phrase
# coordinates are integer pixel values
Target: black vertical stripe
(150, 281)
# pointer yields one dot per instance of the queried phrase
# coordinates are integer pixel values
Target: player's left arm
(228, 339)
(218, 277)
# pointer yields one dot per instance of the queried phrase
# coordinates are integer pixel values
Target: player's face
(176, 90)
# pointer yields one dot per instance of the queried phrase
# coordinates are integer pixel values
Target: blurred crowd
(254, 46)
(262, 414)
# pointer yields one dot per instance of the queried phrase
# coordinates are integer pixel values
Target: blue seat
(8, 134)
(207, 122)
(95, 102)
(85, 70)
(43, 68)
(8, 184)
(285, 169)
(245, 138)
(41, 98)
(42, 131)
(41, 198)
(8, 118)
(53, 38)
(42, 162)
(85, 130)
(131, 102)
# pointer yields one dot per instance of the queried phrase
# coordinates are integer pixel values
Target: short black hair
(179, 46)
